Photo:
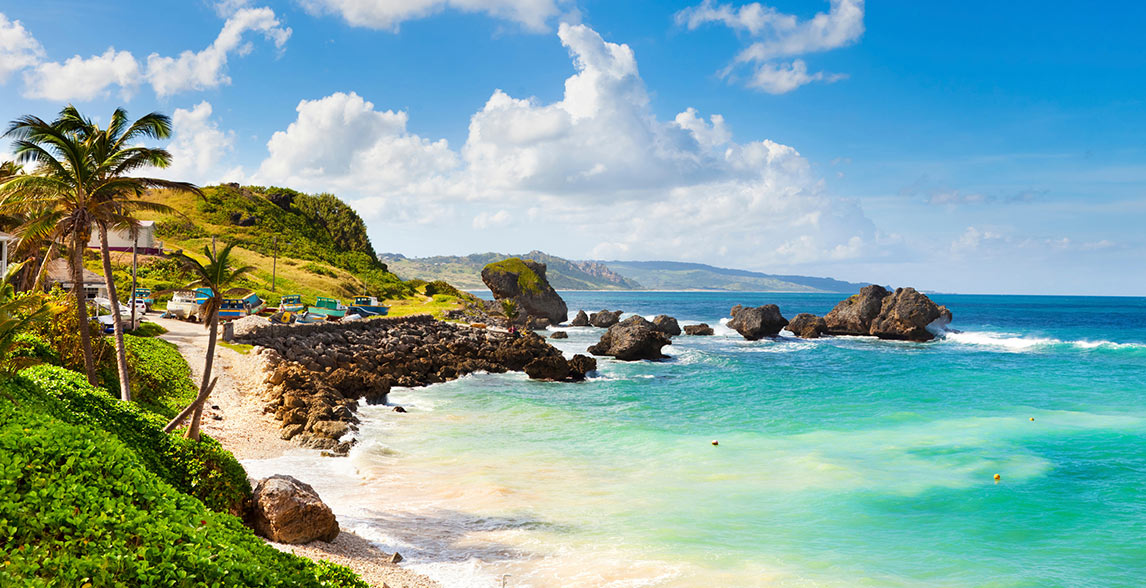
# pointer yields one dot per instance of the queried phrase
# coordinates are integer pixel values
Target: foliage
(440, 287)
(416, 283)
(527, 279)
(509, 309)
(63, 335)
(335, 575)
(201, 469)
(160, 376)
(148, 329)
(17, 314)
(319, 269)
(35, 347)
(78, 507)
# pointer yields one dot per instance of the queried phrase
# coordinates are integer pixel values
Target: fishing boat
(366, 306)
(328, 307)
(291, 303)
(184, 304)
(309, 318)
(236, 308)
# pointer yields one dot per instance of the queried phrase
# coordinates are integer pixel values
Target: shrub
(34, 347)
(160, 377)
(416, 283)
(440, 287)
(148, 330)
(319, 269)
(202, 469)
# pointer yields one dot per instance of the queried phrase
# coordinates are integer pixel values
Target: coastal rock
(807, 326)
(605, 318)
(735, 309)
(699, 330)
(523, 281)
(581, 320)
(286, 510)
(632, 339)
(906, 316)
(667, 325)
(854, 315)
(756, 323)
(548, 368)
(581, 366)
(534, 323)
(559, 335)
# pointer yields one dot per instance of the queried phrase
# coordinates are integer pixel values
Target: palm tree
(82, 181)
(218, 275)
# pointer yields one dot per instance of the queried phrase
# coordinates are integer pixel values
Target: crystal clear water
(841, 462)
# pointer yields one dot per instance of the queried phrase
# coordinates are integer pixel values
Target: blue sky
(983, 147)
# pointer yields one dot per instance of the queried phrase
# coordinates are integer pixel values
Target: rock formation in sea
(559, 335)
(632, 339)
(756, 323)
(667, 325)
(908, 315)
(523, 281)
(581, 320)
(854, 315)
(285, 510)
(699, 330)
(605, 318)
(807, 326)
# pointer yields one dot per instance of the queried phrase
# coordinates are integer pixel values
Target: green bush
(149, 330)
(160, 377)
(33, 346)
(202, 469)
(440, 287)
(320, 270)
(79, 508)
(416, 283)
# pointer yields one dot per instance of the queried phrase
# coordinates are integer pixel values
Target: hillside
(675, 275)
(465, 272)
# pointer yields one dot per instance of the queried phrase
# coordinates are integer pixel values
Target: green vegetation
(237, 347)
(148, 330)
(439, 287)
(160, 376)
(465, 272)
(527, 279)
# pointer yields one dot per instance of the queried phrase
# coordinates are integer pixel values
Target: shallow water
(842, 462)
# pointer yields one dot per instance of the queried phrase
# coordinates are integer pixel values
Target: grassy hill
(465, 272)
(675, 275)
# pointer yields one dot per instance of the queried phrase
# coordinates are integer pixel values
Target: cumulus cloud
(778, 36)
(388, 14)
(83, 79)
(599, 161)
(199, 148)
(18, 48)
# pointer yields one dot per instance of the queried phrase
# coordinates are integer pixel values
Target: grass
(436, 305)
(527, 279)
(237, 347)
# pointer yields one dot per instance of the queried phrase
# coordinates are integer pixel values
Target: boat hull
(366, 311)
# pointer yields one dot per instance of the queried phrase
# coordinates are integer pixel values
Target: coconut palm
(81, 180)
(220, 275)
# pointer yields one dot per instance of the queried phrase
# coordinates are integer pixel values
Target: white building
(60, 272)
(121, 240)
(5, 239)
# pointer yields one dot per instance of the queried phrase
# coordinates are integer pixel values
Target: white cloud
(598, 161)
(388, 14)
(83, 79)
(206, 69)
(199, 149)
(18, 48)
(779, 36)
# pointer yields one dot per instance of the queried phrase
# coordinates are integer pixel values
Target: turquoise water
(841, 462)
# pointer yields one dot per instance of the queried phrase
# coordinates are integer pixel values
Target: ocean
(841, 461)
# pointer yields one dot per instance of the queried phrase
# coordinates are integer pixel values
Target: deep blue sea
(841, 461)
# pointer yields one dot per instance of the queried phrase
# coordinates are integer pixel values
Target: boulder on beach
(854, 315)
(523, 281)
(807, 326)
(667, 325)
(286, 510)
(909, 315)
(699, 330)
(756, 323)
(632, 339)
(581, 320)
(605, 318)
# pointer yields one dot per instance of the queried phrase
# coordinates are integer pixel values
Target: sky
(975, 147)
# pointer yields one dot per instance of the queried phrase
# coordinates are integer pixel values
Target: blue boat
(367, 306)
(291, 303)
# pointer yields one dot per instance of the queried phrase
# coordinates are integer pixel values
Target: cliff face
(523, 281)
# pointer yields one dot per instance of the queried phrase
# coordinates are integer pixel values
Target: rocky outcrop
(807, 326)
(581, 320)
(756, 323)
(605, 318)
(699, 330)
(854, 315)
(582, 364)
(909, 315)
(523, 281)
(286, 510)
(559, 335)
(557, 368)
(632, 339)
(667, 325)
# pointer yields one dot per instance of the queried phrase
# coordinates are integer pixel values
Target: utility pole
(275, 265)
(134, 268)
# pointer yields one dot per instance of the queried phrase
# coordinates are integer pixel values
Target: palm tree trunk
(82, 306)
(193, 430)
(120, 350)
(48, 255)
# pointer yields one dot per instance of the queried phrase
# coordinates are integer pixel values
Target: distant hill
(675, 275)
(564, 274)
(465, 271)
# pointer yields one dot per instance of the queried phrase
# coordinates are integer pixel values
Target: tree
(17, 313)
(220, 276)
(82, 180)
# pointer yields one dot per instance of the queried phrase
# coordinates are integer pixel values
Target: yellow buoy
(715, 442)
(1032, 419)
(997, 478)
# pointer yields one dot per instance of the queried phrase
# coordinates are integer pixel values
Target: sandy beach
(234, 416)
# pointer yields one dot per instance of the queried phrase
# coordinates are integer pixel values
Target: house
(59, 272)
(121, 240)
(5, 239)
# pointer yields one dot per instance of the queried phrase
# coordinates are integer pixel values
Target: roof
(59, 271)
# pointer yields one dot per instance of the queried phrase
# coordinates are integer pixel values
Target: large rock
(286, 510)
(523, 281)
(581, 365)
(605, 318)
(908, 315)
(548, 368)
(756, 323)
(807, 326)
(667, 325)
(581, 320)
(699, 330)
(632, 339)
(854, 315)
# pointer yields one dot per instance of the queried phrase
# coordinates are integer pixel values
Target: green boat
(328, 307)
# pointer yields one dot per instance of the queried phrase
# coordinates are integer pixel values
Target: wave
(1019, 343)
